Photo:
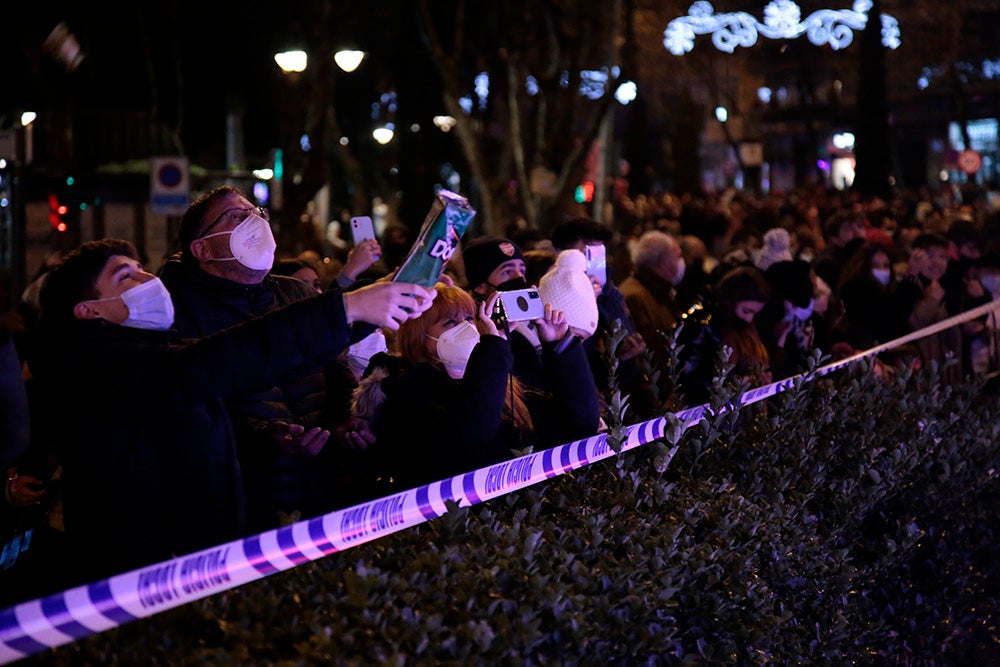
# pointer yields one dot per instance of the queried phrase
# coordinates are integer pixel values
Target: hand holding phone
(520, 305)
(362, 229)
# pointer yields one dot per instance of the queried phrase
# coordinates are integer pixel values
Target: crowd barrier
(61, 618)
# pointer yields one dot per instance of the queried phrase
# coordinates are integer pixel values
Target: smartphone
(362, 229)
(521, 305)
(597, 263)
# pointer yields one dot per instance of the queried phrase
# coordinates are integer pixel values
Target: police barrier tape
(34, 626)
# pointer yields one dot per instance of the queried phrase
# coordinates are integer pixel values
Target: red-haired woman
(458, 407)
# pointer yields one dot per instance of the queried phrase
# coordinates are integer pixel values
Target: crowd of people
(153, 411)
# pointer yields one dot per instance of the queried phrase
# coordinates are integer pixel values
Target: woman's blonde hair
(456, 304)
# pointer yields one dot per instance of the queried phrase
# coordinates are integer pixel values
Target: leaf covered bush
(847, 521)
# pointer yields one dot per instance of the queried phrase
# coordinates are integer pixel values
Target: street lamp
(384, 134)
(291, 61)
(445, 123)
(348, 60)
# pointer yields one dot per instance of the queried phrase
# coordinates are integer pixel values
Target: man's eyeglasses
(238, 214)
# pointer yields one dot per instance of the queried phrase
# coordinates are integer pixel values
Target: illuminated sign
(782, 20)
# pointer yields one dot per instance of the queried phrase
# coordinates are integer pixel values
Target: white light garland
(782, 20)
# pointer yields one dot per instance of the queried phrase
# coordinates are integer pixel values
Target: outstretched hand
(388, 304)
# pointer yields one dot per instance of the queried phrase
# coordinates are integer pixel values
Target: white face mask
(251, 242)
(990, 282)
(359, 355)
(681, 269)
(149, 306)
(804, 314)
(454, 347)
(882, 276)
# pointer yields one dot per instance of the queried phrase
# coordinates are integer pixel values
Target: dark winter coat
(276, 482)
(431, 427)
(150, 467)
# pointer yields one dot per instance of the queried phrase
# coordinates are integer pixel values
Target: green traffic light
(69, 180)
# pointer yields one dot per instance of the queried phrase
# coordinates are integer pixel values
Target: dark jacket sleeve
(431, 426)
(13, 405)
(574, 410)
(255, 354)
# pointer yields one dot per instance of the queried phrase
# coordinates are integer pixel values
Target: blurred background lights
(626, 92)
(291, 61)
(384, 134)
(348, 60)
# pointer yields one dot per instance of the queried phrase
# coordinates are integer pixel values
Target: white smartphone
(362, 229)
(522, 305)
(597, 263)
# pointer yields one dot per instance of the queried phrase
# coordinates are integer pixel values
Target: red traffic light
(56, 213)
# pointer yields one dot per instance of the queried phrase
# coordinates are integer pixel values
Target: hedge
(848, 521)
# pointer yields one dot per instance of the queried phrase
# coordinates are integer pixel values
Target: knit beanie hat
(567, 287)
(777, 248)
(484, 254)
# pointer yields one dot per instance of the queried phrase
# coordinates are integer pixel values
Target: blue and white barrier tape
(34, 626)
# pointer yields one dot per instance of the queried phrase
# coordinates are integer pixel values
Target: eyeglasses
(231, 213)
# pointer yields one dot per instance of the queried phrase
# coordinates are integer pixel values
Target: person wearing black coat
(458, 407)
(149, 459)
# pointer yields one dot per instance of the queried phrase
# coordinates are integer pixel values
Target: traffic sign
(169, 185)
(970, 161)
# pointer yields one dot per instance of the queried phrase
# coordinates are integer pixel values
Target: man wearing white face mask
(222, 278)
(141, 426)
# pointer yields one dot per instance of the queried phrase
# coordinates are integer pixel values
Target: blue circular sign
(170, 175)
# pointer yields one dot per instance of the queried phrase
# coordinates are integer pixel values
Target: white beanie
(777, 248)
(567, 287)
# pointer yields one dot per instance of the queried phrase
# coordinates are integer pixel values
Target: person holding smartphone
(496, 264)
(591, 238)
(460, 395)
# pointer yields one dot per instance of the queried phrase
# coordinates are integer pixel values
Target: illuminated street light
(291, 61)
(383, 134)
(445, 123)
(721, 114)
(348, 60)
(626, 92)
(28, 117)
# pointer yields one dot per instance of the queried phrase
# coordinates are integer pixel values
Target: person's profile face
(309, 276)
(119, 275)
(747, 310)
